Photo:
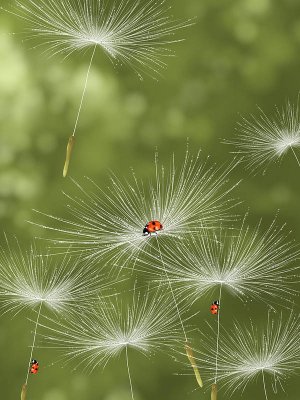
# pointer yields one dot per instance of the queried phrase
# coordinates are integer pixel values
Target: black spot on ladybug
(153, 222)
(160, 226)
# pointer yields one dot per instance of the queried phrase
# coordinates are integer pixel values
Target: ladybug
(214, 308)
(152, 227)
(34, 367)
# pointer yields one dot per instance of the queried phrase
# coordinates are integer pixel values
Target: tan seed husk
(214, 391)
(70, 146)
(23, 392)
(190, 354)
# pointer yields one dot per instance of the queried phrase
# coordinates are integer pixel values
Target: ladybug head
(33, 361)
(216, 302)
(145, 231)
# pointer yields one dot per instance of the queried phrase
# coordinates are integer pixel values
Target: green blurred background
(239, 54)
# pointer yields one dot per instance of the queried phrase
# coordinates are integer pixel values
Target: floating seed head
(264, 139)
(144, 324)
(28, 279)
(193, 196)
(270, 353)
(130, 32)
(256, 263)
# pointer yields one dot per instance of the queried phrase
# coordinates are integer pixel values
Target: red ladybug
(34, 367)
(214, 308)
(152, 227)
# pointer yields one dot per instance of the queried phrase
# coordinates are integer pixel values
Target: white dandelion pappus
(145, 324)
(268, 354)
(131, 32)
(28, 279)
(110, 221)
(253, 263)
(262, 140)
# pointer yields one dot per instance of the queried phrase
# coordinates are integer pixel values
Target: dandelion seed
(263, 140)
(29, 281)
(130, 32)
(271, 354)
(145, 324)
(110, 221)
